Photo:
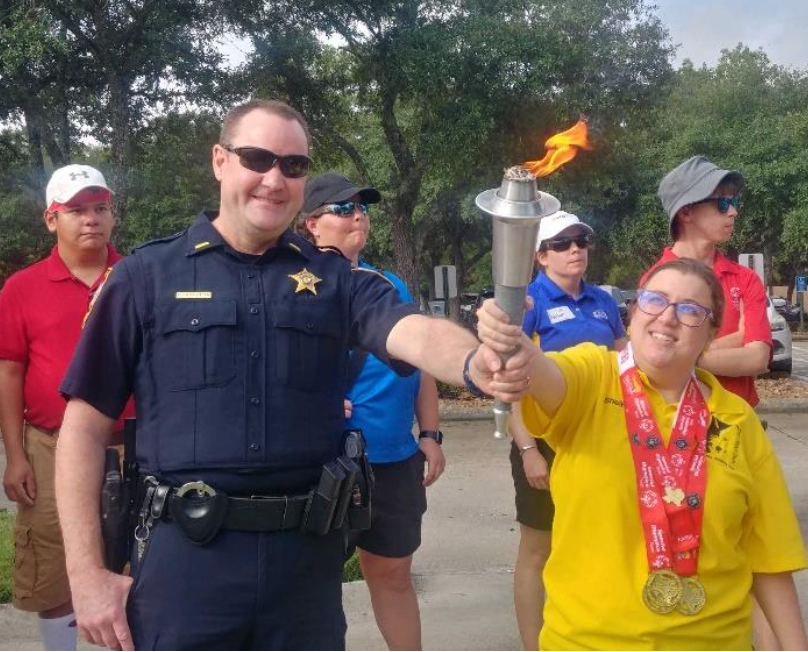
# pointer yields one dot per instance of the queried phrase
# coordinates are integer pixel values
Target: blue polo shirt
(384, 402)
(562, 321)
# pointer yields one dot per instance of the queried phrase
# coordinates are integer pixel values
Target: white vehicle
(781, 339)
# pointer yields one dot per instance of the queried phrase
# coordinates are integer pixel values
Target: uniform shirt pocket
(310, 346)
(196, 343)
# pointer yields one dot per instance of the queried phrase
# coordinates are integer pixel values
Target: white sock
(57, 633)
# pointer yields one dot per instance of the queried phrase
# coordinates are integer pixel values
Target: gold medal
(662, 591)
(693, 596)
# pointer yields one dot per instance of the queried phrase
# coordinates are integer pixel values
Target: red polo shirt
(740, 284)
(42, 309)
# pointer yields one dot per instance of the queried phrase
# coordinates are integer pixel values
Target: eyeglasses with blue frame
(689, 313)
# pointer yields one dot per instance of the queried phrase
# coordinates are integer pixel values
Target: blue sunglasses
(723, 203)
(344, 209)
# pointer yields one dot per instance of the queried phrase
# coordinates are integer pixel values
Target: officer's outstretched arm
(99, 596)
(440, 348)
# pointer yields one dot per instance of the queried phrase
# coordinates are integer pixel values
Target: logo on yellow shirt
(723, 442)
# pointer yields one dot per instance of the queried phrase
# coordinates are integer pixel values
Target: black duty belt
(342, 497)
(265, 513)
(201, 511)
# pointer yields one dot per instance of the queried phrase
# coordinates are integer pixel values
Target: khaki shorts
(40, 576)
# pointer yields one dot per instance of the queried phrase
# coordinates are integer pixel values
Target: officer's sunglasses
(581, 241)
(690, 314)
(723, 203)
(343, 209)
(262, 161)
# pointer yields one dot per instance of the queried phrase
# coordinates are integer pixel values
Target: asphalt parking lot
(799, 356)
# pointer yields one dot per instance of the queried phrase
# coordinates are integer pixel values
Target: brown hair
(301, 228)
(691, 267)
(273, 107)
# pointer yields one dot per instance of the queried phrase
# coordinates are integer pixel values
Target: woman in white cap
(566, 311)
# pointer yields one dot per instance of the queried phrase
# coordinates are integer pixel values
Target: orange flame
(561, 149)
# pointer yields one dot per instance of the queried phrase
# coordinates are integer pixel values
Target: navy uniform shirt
(562, 321)
(237, 362)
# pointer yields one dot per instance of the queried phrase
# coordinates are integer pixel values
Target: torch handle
(512, 301)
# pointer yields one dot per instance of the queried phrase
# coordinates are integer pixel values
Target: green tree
(148, 54)
(450, 91)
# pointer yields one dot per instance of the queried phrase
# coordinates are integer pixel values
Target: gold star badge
(673, 496)
(305, 281)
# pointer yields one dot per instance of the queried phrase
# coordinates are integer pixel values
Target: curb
(483, 413)
(782, 405)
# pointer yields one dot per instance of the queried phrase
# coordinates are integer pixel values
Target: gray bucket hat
(692, 181)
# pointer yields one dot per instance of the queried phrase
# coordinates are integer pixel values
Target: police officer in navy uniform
(233, 335)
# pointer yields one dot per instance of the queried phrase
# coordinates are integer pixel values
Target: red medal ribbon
(670, 480)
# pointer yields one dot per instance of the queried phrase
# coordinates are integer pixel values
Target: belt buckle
(198, 486)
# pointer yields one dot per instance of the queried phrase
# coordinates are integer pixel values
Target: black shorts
(399, 503)
(534, 507)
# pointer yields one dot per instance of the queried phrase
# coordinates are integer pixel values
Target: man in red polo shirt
(701, 201)
(41, 312)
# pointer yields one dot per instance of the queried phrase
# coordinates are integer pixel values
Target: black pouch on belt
(323, 500)
(351, 470)
(199, 510)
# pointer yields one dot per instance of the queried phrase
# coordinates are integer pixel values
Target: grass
(6, 554)
(351, 571)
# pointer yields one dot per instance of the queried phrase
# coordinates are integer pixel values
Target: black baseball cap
(332, 188)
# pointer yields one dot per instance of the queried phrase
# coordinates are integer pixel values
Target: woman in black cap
(335, 215)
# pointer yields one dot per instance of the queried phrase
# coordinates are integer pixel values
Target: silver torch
(516, 208)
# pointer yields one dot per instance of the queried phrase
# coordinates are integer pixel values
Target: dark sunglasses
(344, 208)
(689, 314)
(723, 203)
(581, 241)
(262, 161)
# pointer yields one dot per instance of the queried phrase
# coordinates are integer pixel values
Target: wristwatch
(437, 435)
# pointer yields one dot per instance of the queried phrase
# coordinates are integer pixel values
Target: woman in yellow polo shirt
(671, 507)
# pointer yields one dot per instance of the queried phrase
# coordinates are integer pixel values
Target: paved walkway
(463, 572)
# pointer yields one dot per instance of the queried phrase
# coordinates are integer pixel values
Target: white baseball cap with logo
(69, 181)
(555, 223)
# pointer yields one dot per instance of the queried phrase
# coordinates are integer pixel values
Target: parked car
(790, 312)
(487, 293)
(617, 295)
(781, 339)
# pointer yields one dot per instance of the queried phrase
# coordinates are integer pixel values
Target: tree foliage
(428, 100)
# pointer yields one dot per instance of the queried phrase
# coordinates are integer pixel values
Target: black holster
(358, 509)
(118, 499)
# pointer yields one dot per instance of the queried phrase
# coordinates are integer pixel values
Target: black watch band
(437, 435)
(470, 384)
